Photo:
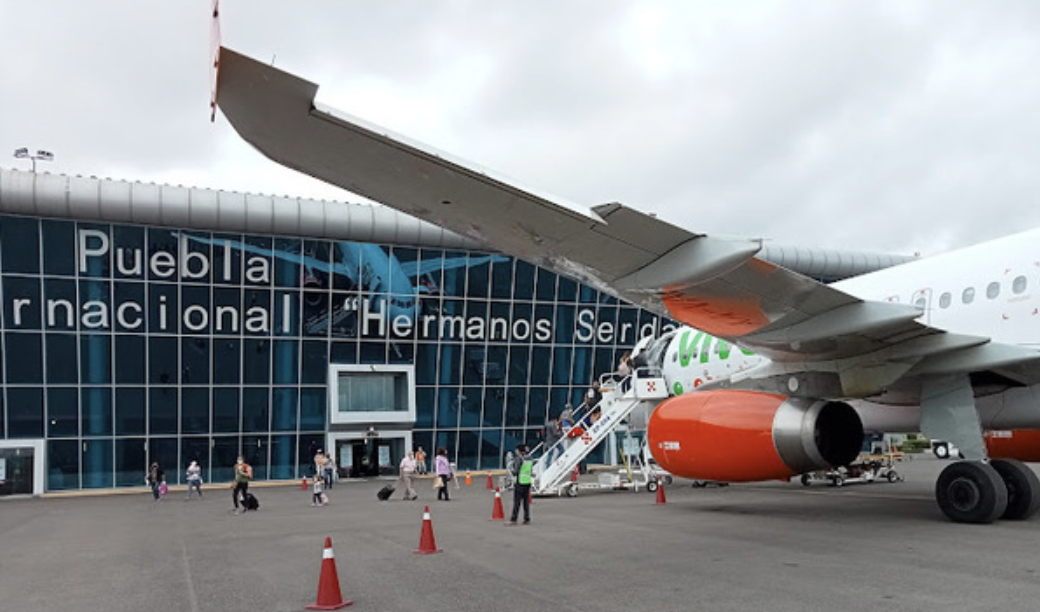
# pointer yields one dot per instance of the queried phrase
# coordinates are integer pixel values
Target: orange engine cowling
(743, 436)
(1021, 444)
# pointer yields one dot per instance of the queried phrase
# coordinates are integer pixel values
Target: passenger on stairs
(625, 371)
(552, 437)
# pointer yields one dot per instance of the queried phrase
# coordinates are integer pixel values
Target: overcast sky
(887, 126)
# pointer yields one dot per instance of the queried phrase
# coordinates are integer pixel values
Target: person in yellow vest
(521, 468)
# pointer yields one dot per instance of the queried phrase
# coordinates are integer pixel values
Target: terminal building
(145, 322)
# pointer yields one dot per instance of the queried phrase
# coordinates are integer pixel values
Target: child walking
(319, 496)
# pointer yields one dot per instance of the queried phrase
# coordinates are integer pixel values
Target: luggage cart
(863, 471)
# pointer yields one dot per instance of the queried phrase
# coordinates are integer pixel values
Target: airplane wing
(714, 284)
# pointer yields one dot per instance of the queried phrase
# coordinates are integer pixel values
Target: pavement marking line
(192, 597)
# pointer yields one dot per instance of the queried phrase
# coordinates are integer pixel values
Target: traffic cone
(491, 484)
(660, 493)
(498, 513)
(329, 595)
(427, 545)
(574, 474)
(303, 485)
(469, 480)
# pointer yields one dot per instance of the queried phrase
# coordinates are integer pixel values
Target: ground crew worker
(522, 466)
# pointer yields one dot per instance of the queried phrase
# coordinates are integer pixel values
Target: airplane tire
(1023, 488)
(806, 480)
(971, 492)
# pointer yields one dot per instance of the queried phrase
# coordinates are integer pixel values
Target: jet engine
(743, 436)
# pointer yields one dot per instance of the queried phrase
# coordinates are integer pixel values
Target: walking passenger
(625, 371)
(552, 437)
(420, 461)
(318, 482)
(319, 462)
(443, 469)
(407, 473)
(522, 489)
(194, 478)
(243, 474)
(155, 478)
(328, 467)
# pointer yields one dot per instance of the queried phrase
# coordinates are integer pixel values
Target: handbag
(163, 489)
(438, 483)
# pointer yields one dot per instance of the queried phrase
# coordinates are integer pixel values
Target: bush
(914, 443)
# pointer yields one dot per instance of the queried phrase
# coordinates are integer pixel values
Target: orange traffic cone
(469, 480)
(498, 513)
(491, 484)
(427, 545)
(574, 474)
(329, 595)
(303, 485)
(660, 493)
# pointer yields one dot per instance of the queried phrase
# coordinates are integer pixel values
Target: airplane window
(993, 290)
(968, 296)
(945, 299)
(921, 303)
(1019, 284)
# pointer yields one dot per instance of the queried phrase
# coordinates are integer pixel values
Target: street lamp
(41, 155)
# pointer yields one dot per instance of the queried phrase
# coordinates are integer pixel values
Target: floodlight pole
(23, 153)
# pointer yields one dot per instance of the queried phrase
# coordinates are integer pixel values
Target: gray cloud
(872, 125)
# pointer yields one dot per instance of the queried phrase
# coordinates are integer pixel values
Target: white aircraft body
(778, 374)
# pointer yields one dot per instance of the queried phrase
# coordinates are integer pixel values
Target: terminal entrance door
(369, 456)
(21, 468)
(371, 415)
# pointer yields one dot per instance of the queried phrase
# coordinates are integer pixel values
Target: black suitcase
(385, 493)
(251, 502)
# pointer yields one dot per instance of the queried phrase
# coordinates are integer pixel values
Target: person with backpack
(521, 468)
(243, 474)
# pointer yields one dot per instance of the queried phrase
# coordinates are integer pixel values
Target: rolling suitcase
(385, 493)
(251, 502)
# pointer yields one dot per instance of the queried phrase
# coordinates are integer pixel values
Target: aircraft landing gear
(977, 492)
(1023, 488)
(971, 492)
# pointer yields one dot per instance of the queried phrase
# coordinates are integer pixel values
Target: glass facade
(125, 344)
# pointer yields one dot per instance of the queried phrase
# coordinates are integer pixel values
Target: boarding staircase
(620, 398)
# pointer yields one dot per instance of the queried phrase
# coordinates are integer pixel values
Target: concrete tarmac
(765, 547)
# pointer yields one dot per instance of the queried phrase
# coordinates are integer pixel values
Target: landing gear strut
(977, 492)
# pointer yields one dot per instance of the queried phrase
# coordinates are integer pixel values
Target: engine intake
(744, 436)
